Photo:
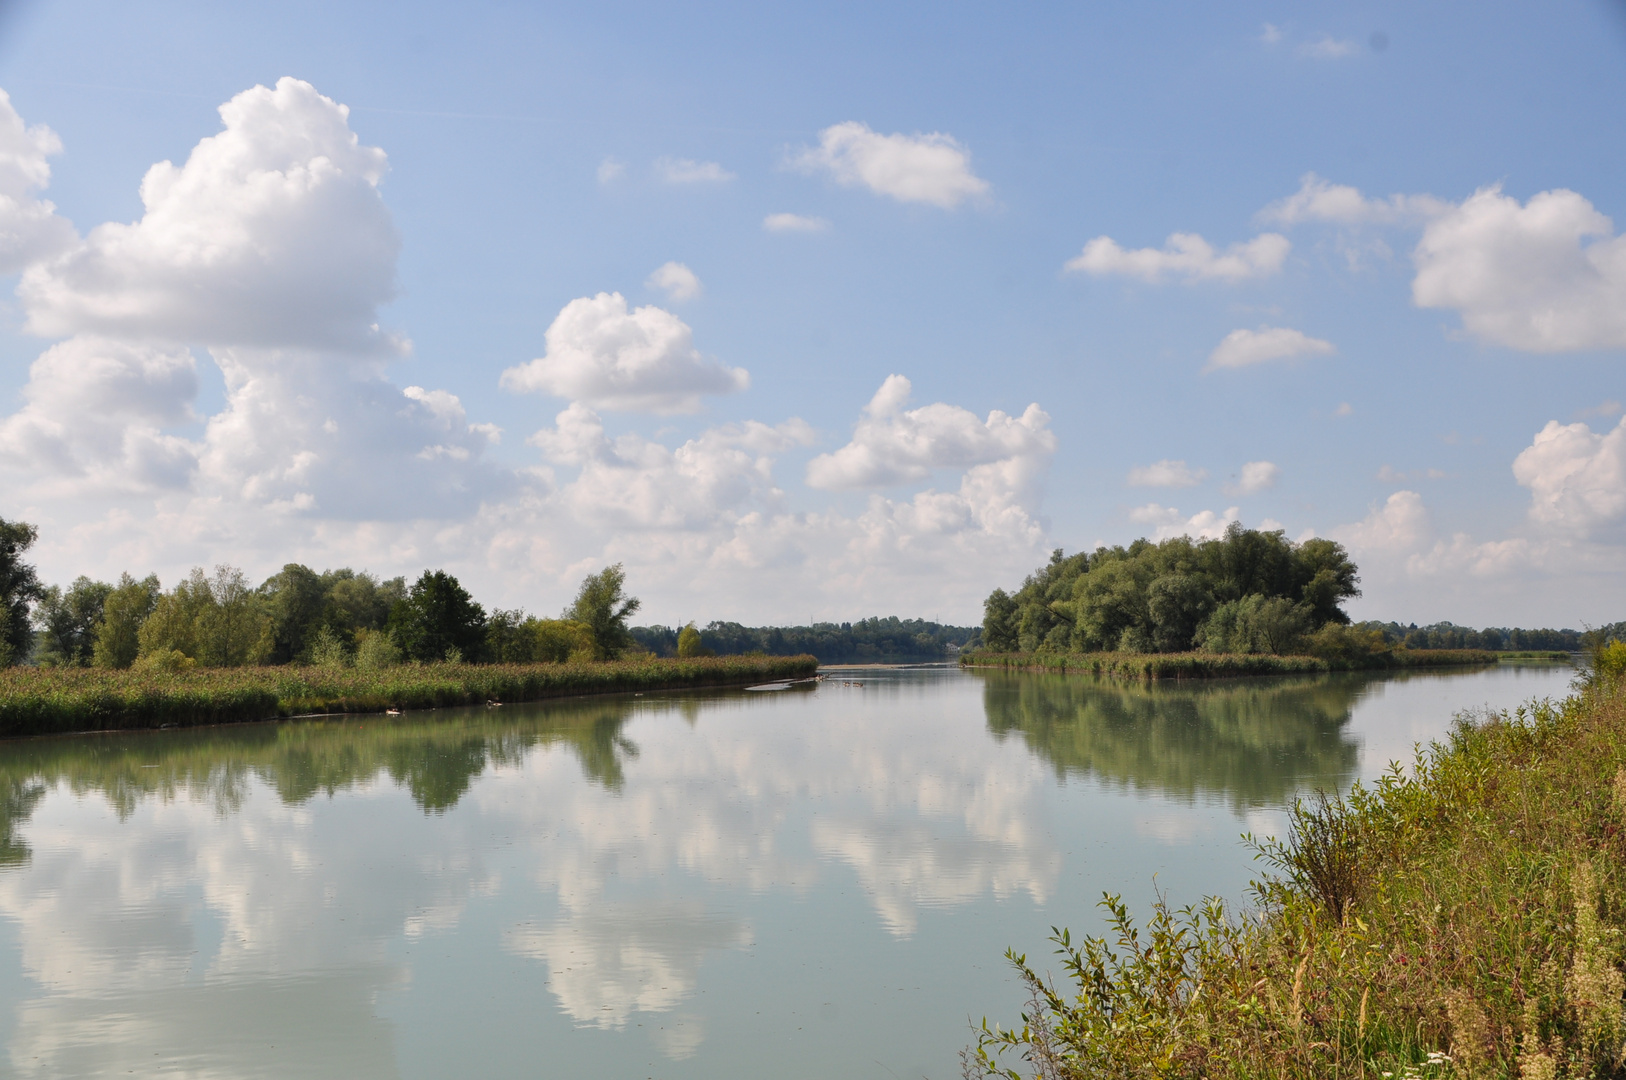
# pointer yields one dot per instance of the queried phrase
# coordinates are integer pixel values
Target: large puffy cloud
(631, 482)
(606, 356)
(317, 457)
(933, 169)
(1244, 348)
(271, 247)
(1186, 256)
(29, 226)
(96, 416)
(1400, 524)
(1548, 276)
(271, 234)
(892, 445)
(1576, 477)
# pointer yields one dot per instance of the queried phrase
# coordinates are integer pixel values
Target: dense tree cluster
(336, 617)
(1249, 591)
(868, 641)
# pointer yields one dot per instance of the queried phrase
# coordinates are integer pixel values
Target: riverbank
(44, 701)
(1199, 665)
(1463, 920)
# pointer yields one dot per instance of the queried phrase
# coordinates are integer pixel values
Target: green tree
(554, 641)
(117, 636)
(689, 645)
(19, 589)
(602, 607)
(65, 622)
(173, 624)
(438, 620)
(232, 629)
(1001, 622)
(507, 639)
(295, 599)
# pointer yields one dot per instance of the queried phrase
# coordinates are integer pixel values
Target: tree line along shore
(1248, 602)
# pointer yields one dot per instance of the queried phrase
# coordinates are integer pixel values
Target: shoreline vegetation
(63, 700)
(1463, 918)
(1203, 665)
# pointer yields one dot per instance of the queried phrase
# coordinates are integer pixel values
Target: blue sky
(1409, 218)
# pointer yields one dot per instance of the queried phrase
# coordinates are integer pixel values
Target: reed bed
(1200, 665)
(1464, 918)
(39, 701)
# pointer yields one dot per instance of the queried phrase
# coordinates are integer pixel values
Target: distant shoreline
(1195, 665)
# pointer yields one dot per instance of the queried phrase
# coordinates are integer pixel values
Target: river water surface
(804, 883)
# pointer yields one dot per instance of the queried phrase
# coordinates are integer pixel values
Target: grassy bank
(1463, 920)
(39, 701)
(1200, 665)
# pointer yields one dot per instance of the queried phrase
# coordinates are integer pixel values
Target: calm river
(808, 883)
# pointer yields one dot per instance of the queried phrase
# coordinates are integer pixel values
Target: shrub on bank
(1463, 920)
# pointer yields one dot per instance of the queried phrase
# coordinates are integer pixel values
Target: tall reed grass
(1460, 919)
(37, 701)
(1201, 665)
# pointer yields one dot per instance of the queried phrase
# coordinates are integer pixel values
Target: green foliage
(689, 643)
(437, 616)
(601, 606)
(1255, 624)
(117, 636)
(557, 641)
(216, 620)
(295, 600)
(327, 649)
(19, 588)
(65, 622)
(376, 650)
(1462, 918)
(1257, 589)
(162, 689)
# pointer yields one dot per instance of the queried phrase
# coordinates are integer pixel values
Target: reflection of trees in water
(435, 756)
(1254, 742)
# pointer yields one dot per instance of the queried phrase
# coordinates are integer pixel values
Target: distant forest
(869, 641)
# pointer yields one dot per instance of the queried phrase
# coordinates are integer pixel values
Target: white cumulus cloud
(638, 360)
(97, 413)
(794, 223)
(1318, 199)
(677, 281)
(1401, 524)
(271, 234)
(1254, 477)
(684, 171)
(1167, 522)
(1186, 256)
(1166, 473)
(1548, 276)
(1244, 348)
(29, 226)
(1576, 477)
(933, 168)
(893, 445)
